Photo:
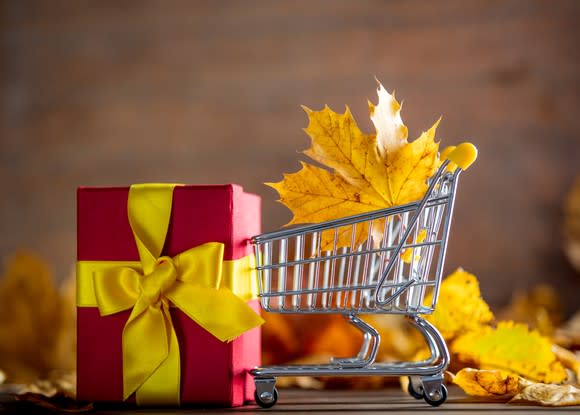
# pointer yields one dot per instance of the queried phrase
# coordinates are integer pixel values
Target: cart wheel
(437, 400)
(266, 399)
(417, 394)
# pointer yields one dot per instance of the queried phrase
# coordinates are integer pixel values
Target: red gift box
(211, 372)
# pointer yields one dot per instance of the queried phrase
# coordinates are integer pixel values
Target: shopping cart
(378, 262)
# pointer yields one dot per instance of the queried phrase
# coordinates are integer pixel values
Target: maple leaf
(511, 347)
(497, 383)
(478, 382)
(364, 172)
(460, 308)
(391, 132)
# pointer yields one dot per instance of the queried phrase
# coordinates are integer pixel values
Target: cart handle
(463, 155)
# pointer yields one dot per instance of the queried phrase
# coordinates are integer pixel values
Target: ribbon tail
(219, 311)
(163, 386)
(145, 346)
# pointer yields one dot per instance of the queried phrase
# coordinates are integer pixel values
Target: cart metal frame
(360, 265)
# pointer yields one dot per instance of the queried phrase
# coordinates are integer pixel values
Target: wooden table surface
(392, 401)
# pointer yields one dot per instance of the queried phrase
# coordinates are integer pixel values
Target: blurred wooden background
(117, 92)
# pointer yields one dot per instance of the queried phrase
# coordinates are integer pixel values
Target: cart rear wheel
(439, 397)
(415, 393)
(266, 399)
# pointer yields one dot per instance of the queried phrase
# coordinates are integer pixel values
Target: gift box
(166, 294)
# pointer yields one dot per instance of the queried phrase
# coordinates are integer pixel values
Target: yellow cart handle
(462, 155)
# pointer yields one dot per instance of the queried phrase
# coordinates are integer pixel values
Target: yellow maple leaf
(511, 347)
(478, 382)
(364, 172)
(460, 308)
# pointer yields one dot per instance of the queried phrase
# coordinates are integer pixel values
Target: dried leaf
(57, 403)
(460, 308)
(58, 382)
(569, 360)
(496, 383)
(572, 225)
(511, 347)
(540, 307)
(547, 395)
(363, 174)
(568, 335)
(477, 382)
(36, 322)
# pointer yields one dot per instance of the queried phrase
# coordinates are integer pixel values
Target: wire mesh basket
(383, 261)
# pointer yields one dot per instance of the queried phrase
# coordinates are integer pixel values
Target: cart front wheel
(437, 398)
(266, 399)
(415, 393)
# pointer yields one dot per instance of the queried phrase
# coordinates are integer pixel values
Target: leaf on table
(497, 383)
(569, 360)
(478, 382)
(460, 308)
(511, 347)
(546, 394)
(568, 335)
(58, 403)
(572, 225)
(37, 321)
(57, 382)
(363, 172)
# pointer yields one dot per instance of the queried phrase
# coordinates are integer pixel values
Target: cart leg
(430, 388)
(369, 348)
(266, 394)
(439, 358)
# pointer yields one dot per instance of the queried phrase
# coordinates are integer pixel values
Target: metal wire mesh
(335, 267)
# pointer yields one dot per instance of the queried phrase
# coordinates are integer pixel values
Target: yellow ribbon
(190, 281)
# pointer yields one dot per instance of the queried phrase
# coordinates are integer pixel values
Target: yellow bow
(191, 281)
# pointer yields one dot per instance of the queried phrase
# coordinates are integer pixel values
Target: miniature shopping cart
(383, 261)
